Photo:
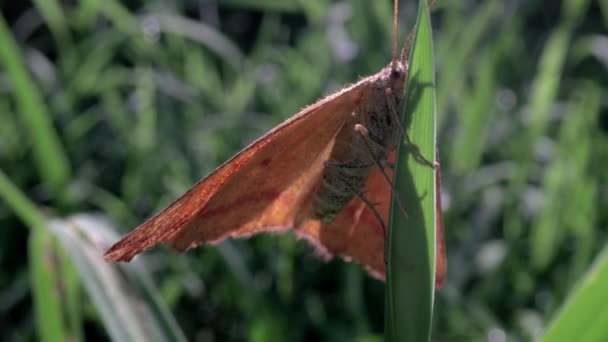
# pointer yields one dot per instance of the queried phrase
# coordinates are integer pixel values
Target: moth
(324, 174)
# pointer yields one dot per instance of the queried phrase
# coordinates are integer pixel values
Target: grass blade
(583, 316)
(545, 89)
(51, 160)
(128, 303)
(130, 306)
(567, 177)
(410, 277)
(44, 281)
(15, 200)
(48, 271)
(52, 12)
(456, 47)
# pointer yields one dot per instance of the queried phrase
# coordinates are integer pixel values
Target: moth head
(397, 75)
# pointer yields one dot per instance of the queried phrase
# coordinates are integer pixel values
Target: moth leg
(365, 136)
(387, 165)
(408, 142)
(372, 206)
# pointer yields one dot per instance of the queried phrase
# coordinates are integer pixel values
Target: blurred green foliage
(118, 107)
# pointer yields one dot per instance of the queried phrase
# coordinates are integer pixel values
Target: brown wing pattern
(242, 197)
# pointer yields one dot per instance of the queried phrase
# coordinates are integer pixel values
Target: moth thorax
(379, 117)
(357, 152)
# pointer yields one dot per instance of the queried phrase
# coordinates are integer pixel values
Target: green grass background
(109, 110)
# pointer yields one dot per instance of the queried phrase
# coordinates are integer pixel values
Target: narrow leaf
(410, 281)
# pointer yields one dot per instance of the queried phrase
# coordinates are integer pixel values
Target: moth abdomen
(340, 183)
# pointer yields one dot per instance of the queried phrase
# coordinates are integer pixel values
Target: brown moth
(324, 173)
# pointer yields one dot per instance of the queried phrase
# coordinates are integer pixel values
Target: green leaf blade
(581, 318)
(410, 273)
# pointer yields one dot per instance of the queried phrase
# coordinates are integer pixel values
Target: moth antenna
(410, 36)
(395, 32)
(406, 46)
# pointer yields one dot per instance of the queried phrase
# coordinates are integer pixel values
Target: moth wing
(441, 258)
(260, 189)
(356, 234)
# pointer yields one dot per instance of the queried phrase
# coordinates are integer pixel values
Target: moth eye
(395, 74)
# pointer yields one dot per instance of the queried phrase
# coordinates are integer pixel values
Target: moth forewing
(325, 172)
